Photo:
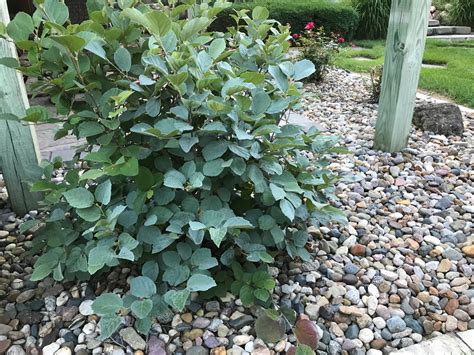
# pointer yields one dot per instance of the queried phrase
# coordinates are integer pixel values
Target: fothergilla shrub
(188, 168)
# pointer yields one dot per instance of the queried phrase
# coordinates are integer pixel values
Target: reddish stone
(451, 306)
(358, 250)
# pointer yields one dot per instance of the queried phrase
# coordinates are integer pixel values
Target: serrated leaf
(268, 329)
(213, 168)
(142, 286)
(151, 270)
(186, 143)
(178, 299)
(175, 179)
(26, 226)
(216, 47)
(199, 282)
(303, 69)
(20, 28)
(238, 222)
(277, 192)
(153, 107)
(90, 214)
(304, 350)
(107, 304)
(108, 326)
(56, 11)
(142, 308)
(260, 13)
(287, 209)
(123, 59)
(218, 235)
(79, 197)
(266, 222)
(262, 294)
(214, 150)
(246, 296)
(306, 333)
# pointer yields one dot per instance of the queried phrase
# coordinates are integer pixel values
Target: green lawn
(455, 80)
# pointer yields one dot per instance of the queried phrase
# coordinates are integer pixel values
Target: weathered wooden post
(19, 153)
(404, 49)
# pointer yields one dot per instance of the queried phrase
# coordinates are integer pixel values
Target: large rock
(442, 118)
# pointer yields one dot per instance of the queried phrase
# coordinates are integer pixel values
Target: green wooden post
(404, 49)
(19, 153)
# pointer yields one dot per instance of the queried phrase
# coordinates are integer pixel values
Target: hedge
(337, 18)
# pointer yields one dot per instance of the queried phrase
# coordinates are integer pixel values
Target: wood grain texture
(404, 49)
(19, 153)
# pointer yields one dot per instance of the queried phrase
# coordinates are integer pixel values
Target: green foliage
(374, 16)
(334, 17)
(462, 12)
(188, 169)
(270, 326)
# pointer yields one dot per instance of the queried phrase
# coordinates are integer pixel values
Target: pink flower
(296, 35)
(309, 26)
(341, 40)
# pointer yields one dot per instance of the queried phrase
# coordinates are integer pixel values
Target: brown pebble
(187, 317)
(219, 351)
(469, 251)
(394, 298)
(378, 344)
(358, 250)
(451, 306)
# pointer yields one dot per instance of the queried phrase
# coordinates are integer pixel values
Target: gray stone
(334, 348)
(15, 350)
(213, 306)
(241, 322)
(201, 322)
(444, 203)
(25, 296)
(396, 324)
(352, 331)
(197, 350)
(85, 308)
(452, 254)
(353, 296)
(131, 337)
(439, 118)
(4, 329)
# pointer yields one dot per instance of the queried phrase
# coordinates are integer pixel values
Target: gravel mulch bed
(402, 270)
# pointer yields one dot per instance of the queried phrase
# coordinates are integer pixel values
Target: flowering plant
(319, 47)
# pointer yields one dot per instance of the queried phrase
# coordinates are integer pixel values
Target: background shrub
(462, 13)
(189, 170)
(333, 17)
(374, 16)
(319, 47)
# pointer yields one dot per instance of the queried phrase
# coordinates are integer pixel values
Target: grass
(455, 80)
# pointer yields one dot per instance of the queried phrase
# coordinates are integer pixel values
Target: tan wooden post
(19, 153)
(404, 49)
